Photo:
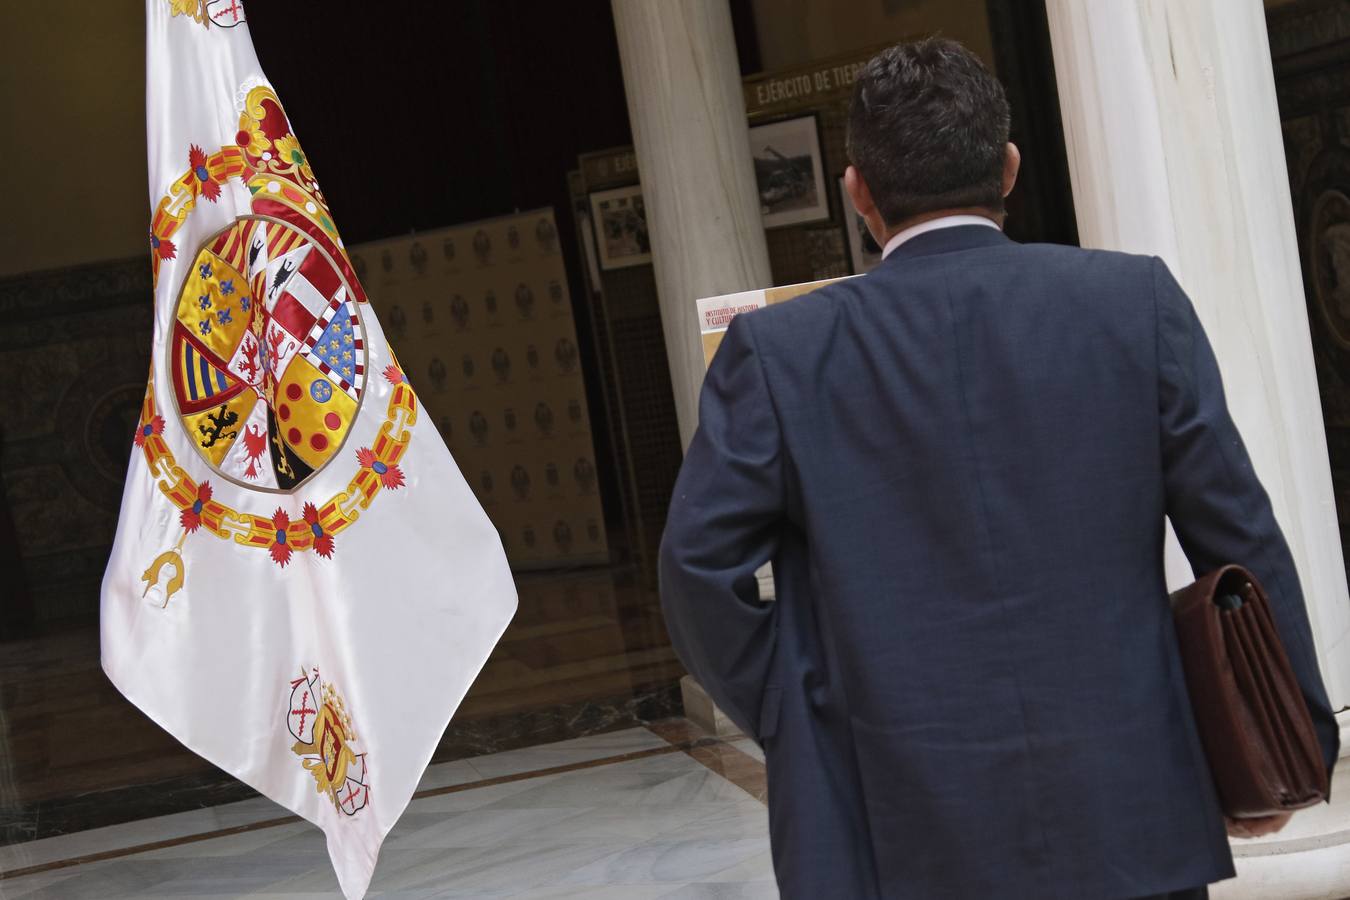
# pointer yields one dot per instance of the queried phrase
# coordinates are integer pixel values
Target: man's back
(960, 465)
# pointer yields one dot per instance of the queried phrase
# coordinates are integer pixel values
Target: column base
(700, 709)
(1310, 859)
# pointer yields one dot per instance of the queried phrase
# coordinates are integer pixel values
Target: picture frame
(789, 171)
(863, 253)
(619, 217)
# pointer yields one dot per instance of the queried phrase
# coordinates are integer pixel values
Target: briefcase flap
(1255, 726)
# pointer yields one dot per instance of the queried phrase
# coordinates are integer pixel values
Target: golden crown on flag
(226, 13)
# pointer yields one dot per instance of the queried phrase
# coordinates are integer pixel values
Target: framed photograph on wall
(789, 171)
(620, 220)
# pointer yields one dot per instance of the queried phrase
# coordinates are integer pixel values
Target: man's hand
(1258, 827)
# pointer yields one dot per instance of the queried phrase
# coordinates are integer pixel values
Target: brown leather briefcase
(1253, 722)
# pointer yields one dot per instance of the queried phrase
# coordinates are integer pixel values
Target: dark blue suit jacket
(959, 464)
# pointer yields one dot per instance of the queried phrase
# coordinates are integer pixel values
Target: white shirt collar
(933, 225)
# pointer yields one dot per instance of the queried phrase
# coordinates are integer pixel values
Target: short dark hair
(927, 129)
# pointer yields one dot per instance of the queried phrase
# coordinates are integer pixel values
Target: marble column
(698, 183)
(1174, 146)
(1175, 149)
(689, 129)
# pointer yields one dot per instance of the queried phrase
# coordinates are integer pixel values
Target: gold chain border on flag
(173, 209)
(264, 532)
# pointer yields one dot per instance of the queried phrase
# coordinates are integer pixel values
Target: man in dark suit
(959, 464)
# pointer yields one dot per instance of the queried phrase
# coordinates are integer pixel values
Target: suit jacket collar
(948, 240)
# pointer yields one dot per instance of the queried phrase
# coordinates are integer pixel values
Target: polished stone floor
(586, 653)
(658, 811)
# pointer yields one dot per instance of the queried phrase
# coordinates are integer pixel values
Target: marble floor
(657, 811)
(586, 653)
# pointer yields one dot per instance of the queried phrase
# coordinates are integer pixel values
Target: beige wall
(72, 140)
(796, 32)
(72, 86)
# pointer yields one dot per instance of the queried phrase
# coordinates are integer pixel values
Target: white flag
(302, 587)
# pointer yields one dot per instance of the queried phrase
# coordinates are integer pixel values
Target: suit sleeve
(1217, 505)
(724, 524)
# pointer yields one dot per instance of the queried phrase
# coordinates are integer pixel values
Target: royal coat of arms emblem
(268, 356)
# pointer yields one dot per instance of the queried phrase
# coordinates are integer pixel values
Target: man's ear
(861, 195)
(1012, 164)
(858, 192)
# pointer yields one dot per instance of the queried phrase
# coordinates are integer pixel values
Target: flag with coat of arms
(302, 587)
